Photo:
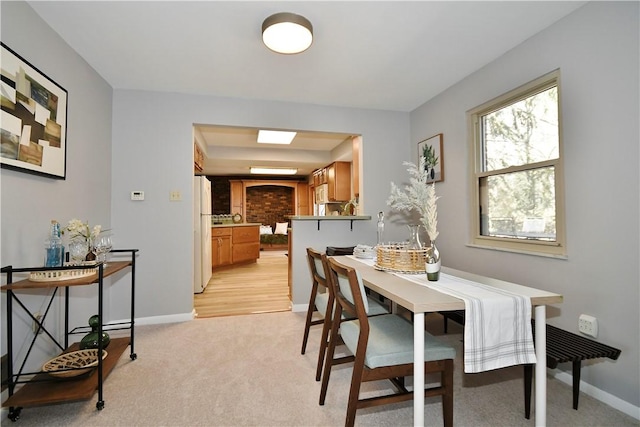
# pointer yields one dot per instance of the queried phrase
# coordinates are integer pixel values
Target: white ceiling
(387, 55)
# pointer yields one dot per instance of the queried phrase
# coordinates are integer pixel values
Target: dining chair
(319, 294)
(319, 267)
(383, 349)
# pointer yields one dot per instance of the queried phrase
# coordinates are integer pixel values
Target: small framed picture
(431, 150)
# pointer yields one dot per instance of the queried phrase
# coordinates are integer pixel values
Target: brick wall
(266, 204)
(269, 204)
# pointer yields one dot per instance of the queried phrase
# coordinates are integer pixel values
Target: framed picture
(33, 121)
(431, 150)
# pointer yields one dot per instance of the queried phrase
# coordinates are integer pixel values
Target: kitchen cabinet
(245, 244)
(339, 182)
(220, 247)
(357, 140)
(237, 198)
(303, 207)
(234, 244)
(198, 158)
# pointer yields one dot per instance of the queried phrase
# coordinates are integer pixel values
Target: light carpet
(248, 371)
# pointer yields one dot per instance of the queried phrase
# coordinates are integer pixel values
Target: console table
(40, 388)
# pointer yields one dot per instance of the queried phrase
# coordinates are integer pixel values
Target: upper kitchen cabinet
(302, 199)
(339, 181)
(357, 141)
(198, 159)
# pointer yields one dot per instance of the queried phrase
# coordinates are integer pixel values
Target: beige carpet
(248, 371)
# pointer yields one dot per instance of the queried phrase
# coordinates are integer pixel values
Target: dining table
(420, 299)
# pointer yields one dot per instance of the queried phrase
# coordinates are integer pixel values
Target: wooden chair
(383, 349)
(319, 294)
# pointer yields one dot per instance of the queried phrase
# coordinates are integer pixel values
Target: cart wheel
(100, 405)
(14, 414)
(133, 356)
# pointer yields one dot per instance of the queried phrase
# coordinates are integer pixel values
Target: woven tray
(76, 359)
(57, 275)
(396, 257)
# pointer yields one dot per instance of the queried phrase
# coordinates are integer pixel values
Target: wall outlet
(38, 317)
(137, 195)
(175, 196)
(588, 325)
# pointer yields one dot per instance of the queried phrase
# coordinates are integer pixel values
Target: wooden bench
(562, 346)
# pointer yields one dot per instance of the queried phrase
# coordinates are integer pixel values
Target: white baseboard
(297, 308)
(603, 396)
(156, 320)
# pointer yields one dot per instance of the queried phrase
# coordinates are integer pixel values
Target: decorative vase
(91, 339)
(414, 237)
(432, 266)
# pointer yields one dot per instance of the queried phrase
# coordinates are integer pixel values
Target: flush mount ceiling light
(275, 137)
(273, 171)
(287, 33)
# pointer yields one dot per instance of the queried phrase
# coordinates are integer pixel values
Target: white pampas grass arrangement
(418, 196)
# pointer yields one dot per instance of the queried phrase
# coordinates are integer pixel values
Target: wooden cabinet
(198, 158)
(245, 243)
(339, 181)
(234, 244)
(220, 247)
(357, 141)
(303, 207)
(237, 198)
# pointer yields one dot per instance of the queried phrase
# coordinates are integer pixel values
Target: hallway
(259, 287)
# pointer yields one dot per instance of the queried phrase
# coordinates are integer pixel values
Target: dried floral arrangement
(418, 196)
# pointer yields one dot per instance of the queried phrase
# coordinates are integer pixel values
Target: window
(517, 177)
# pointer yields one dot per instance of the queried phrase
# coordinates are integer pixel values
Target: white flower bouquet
(418, 196)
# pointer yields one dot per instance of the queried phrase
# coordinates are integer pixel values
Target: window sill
(518, 251)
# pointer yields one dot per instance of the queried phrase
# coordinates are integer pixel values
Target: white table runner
(497, 330)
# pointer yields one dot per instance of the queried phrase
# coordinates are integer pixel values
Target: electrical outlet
(38, 317)
(588, 325)
(175, 196)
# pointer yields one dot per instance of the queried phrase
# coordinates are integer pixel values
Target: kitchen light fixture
(275, 137)
(273, 171)
(287, 33)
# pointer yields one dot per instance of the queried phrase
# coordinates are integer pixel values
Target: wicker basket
(67, 364)
(59, 275)
(397, 257)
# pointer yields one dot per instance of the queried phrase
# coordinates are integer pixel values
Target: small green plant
(430, 158)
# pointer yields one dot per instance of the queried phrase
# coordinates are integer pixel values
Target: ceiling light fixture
(275, 137)
(273, 171)
(287, 33)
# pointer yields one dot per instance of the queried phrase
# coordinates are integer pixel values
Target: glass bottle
(53, 246)
(380, 227)
(414, 237)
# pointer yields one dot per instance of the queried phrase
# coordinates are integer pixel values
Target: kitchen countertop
(330, 217)
(241, 224)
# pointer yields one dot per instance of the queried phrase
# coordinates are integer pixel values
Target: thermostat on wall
(137, 195)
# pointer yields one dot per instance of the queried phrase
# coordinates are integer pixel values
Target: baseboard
(156, 320)
(603, 396)
(297, 308)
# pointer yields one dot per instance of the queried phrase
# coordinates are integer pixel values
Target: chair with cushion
(383, 349)
(324, 302)
(319, 294)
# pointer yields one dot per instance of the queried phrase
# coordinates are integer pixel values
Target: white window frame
(556, 248)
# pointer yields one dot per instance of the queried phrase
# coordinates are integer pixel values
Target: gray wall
(596, 49)
(29, 202)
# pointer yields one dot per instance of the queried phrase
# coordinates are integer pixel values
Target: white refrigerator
(201, 233)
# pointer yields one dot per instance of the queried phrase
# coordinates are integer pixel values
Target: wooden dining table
(421, 299)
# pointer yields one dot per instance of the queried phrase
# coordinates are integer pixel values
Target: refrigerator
(201, 233)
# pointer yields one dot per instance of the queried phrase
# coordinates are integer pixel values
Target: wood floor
(260, 287)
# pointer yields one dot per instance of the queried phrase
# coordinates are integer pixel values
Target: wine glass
(102, 246)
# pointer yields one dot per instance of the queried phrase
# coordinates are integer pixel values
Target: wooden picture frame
(33, 121)
(432, 149)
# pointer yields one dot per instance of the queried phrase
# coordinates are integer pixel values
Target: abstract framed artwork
(33, 121)
(431, 150)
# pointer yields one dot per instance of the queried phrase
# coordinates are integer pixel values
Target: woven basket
(398, 258)
(67, 364)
